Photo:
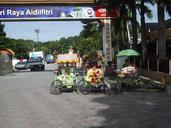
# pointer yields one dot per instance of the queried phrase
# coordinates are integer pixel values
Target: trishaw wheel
(119, 85)
(84, 88)
(56, 87)
(109, 89)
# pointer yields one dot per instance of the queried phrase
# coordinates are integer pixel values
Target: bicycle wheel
(56, 87)
(84, 87)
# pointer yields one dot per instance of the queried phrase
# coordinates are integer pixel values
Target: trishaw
(128, 75)
(129, 78)
(93, 78)
(65, 76)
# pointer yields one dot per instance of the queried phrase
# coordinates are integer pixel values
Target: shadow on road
(135, 110)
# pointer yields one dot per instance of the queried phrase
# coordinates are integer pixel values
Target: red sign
(104, 12)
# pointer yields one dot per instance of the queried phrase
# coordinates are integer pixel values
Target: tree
(121, 28)
(2, 36)
(162, 5)
(132, 6)
(144, 10)
(2, 33)
(87, 29)
(126, 6)
(92, 29)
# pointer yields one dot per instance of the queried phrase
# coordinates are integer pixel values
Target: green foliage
(92, 31)
(148, 13)
(20, 47)
(2, 33)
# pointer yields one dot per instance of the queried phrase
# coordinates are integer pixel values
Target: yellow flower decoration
(94, 76)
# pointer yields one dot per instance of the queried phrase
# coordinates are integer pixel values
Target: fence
(154, 64)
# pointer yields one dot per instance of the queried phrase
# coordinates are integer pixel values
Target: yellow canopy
(64, 58)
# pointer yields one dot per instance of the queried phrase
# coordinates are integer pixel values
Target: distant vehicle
(37, 60)
(35, 63)
(22, 65)
(49, 58)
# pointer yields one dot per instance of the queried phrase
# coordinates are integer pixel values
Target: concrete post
(107, 46)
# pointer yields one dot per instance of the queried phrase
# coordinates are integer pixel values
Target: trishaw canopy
(67, 58)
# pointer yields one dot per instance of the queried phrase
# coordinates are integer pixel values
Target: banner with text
(55, 12)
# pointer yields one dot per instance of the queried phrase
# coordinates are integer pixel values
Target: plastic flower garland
(67, 79)
(94, 76)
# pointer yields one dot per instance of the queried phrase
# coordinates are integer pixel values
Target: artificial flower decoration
(94, 76)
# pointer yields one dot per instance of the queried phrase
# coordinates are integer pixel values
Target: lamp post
(37, 31)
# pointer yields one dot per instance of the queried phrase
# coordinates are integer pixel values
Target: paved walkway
(25, 102)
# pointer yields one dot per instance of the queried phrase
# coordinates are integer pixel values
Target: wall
(156, 75)
(5, 64)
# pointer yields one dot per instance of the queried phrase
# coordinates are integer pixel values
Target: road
(25, 102)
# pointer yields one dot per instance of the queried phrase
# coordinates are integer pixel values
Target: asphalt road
(25, 102)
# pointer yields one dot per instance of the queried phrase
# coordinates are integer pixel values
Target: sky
(52, 30)
(154, 12)
(49, 30)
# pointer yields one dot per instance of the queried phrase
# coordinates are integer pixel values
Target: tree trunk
(143, 36)
(134, 24)
(121, 30)
(125, 32)
(161, 31)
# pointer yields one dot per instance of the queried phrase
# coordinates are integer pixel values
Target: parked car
(22, 65)
(49, 58)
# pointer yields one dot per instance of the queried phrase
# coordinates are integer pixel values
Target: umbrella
(128, 52)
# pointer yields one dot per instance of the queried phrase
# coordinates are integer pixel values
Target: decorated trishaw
(93, 78)
(128, 75)
(65, 76)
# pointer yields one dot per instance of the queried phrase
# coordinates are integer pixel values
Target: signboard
(45, 1)
(54, 12)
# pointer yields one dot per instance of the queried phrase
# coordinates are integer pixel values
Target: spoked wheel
(119, 85)
(108, 88)
(75, 88)
(84, 88)
(56, 87)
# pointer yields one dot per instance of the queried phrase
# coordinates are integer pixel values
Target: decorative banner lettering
(54, 12)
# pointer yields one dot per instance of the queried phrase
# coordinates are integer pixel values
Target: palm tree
(125, 5)
(161, 30)
(132, 7)
(144, 10)
(119, 30)
(161, 6)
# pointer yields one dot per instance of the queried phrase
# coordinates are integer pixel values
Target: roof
(155, 26)
(153, 35)
(7, 51)
(46, 1)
